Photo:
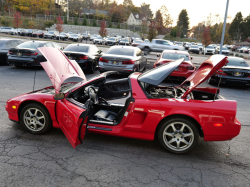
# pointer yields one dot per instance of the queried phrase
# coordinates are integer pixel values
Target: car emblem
(70, 57)
(238, 74)
(114, 62)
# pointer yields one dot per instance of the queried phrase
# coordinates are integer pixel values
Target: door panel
(71, 120)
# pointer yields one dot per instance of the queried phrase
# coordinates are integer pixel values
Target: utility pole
(67, 10)
(224, 27)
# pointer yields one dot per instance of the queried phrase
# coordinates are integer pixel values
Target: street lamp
(224, 27)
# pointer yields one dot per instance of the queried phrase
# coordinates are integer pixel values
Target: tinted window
(74, 35)
(209, 47)
(121, 51)
(158, 42)
(174, 56)
(237, 62)
(224, 48)
(14, 43)
(8, 44)
(51, 33)
(111, 38)
(48, 45)
(194, 46)
(76, 48)
(31, 45)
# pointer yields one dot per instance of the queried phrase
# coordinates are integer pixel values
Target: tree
(118, 25)
(76, 21)
(173, 32)
(182, 35)
(235, 30)
(110, 24)
(152, 31)
(183, 21)
(246, 28)
(166, 18)
(94, 23)
(59, 24)
(206, 37)
(103, 31)
(145, 9)
(159, 21)
(17, 20)
(84, 21)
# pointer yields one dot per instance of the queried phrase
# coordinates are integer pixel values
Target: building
(138, 19)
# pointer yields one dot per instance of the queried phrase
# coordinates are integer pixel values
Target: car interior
(100, 92)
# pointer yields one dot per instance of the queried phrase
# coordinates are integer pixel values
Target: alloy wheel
(34, 119)
(178, 136)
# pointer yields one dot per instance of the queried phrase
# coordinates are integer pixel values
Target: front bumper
(194, 51)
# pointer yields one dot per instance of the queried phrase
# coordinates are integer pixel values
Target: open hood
(157, 75)
(206, 70)
(59, 67)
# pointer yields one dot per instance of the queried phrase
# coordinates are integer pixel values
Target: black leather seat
(106, 115)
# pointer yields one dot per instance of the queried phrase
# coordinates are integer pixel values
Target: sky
(198, 10)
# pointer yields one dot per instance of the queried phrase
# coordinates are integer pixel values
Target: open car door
(70, 114)
(73, 118)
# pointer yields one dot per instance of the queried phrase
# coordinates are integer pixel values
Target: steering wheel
(92, 94)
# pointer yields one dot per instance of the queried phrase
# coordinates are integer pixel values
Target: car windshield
(74, 35)
(174, 56)
(209, 47)
(124, 40)
(188, 44)
(99, 38)
(39, 31)
(76, 48)
(146, 41)
(63, 34)
(30, 45)
(137, 41)
(237, 62)
(111, 38)
(121, 51)
(194, 46)
(51, 32)
(223, 48)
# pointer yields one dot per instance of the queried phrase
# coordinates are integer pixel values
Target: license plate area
(115, 62)
(19, 54)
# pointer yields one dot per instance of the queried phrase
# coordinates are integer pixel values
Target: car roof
(80, 45)
(129, 47)
(175, 51)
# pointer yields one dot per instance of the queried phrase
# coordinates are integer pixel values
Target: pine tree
(183, 21)
(110, 24)
(94, 23)
(118, 25)
(76, 21)
(84, 21)
(235, 30)
(182, 35)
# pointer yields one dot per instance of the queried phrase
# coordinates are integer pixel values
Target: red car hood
(59, 67)
(206, 70)
(170, 60)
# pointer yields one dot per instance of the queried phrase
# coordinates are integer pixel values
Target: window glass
(14, 43)
(76, 48)
(48, 45)
(30, 45)
(175, 56)
(121, 51)
(158, 41)
(8, 44)
(237, 62)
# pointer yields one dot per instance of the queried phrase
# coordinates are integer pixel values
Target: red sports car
(176, 115)
(182, 72)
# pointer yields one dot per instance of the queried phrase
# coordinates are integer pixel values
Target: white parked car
(99, 40)
(6, 29)
(208, 50)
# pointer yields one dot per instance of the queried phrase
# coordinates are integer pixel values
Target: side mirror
(158, 55)
(59, 96)
(100, 51)
(191, 58)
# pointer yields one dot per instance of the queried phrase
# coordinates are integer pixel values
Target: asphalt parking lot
(49, 160)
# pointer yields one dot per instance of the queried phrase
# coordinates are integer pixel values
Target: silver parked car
(124, 59)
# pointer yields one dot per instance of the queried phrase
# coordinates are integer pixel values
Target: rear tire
(178, 135)
(146, 50)
(35, 118)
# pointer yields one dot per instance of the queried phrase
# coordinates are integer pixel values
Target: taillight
(10, 52)
(83, 57)
(103, 60)
(128, 62)
(190, 68)
(220, 72)
(34, 53)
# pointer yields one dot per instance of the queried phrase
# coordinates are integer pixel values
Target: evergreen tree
(84, 21)
(118, 25)
(94, 22)
(110, 24)
(65, 20)
(76, 21)
(55, 19)
(183, 21)
(246, 28)
(182, 35)
(235, 29)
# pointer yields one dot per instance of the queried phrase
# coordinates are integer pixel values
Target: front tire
(35, 119)
(178, 135)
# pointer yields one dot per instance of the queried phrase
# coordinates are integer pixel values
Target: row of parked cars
(124, 59)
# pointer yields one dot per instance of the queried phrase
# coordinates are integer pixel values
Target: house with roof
(138, 19)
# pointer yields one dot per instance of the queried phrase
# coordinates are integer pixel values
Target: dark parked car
(236, 72)
(5, 45)
(23, 32)
(51, 34)
(26, 54)
(86, 55)
(63, 36)
(38, 33)
(194, 49)
(112, 41)
(124, 59)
